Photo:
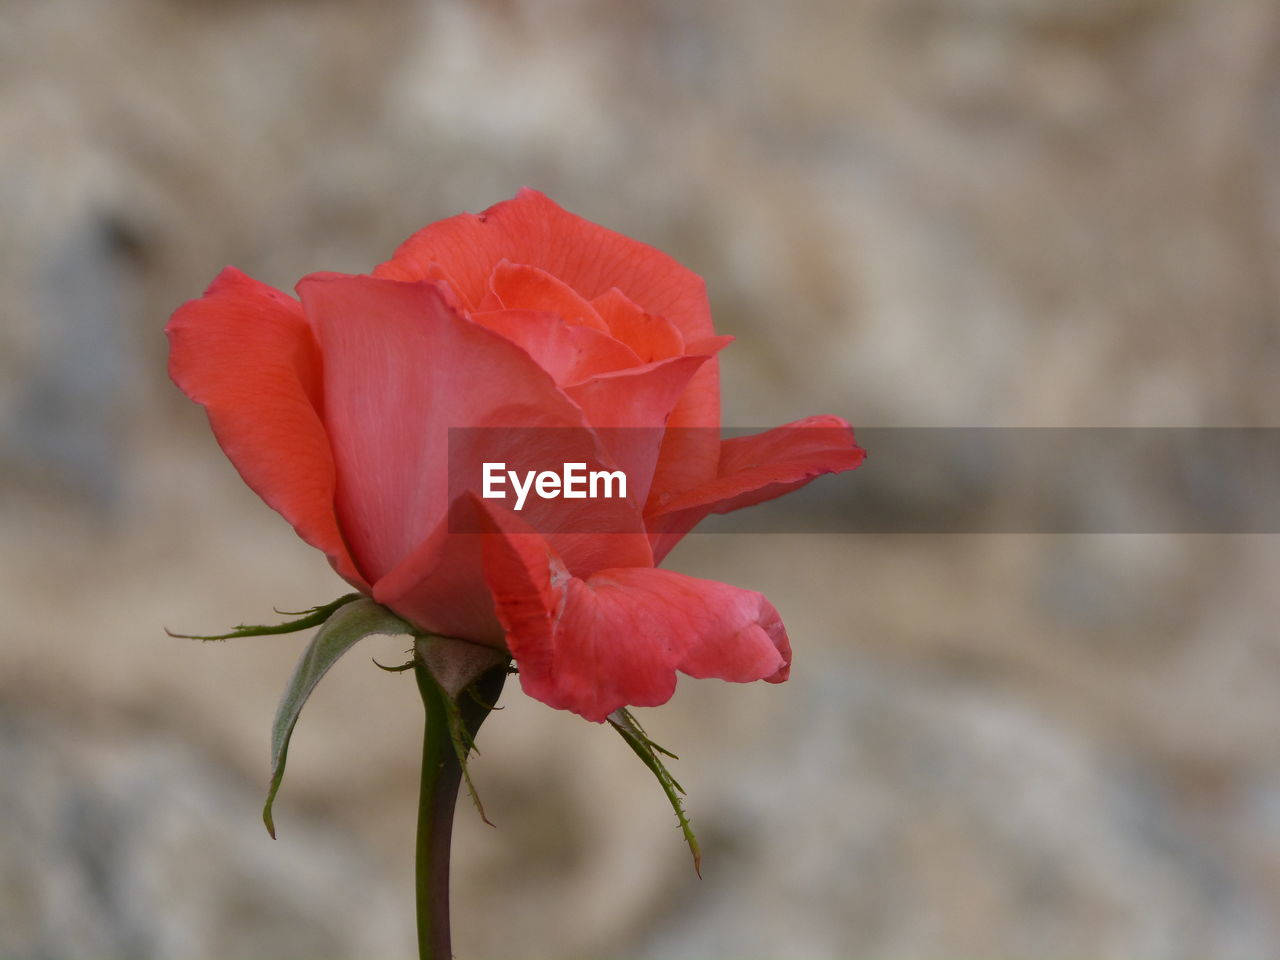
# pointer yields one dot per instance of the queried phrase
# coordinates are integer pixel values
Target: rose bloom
(336, 407)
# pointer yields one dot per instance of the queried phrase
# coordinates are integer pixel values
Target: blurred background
(910, 213)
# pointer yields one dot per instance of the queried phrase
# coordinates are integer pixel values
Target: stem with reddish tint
(437, 798)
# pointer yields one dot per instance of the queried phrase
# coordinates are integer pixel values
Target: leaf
(349, 624)
(648, 751)
(307, 619)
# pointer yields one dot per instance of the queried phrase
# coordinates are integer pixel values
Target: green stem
(441, 776)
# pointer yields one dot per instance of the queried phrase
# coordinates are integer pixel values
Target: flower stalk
(449, 731)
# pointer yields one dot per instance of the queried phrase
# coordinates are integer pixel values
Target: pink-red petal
(652, 338)
(570, 352)
(519, 286)
(531, 229)
(630, 410)
(440, 586)
(618, 637)
(246, 353)
(690, 453)
(755, 469)
(401, 368)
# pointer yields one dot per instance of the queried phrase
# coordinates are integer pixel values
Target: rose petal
(755, 469)
(652, 338)
(441, 587)
(569, 352)
(630, 410)
(531, 229)
(690, 453)
(618, 637)
(246, 353)
(401, 367)
(518, 286)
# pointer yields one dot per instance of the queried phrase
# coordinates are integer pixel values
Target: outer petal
(441, 587)
(246, 353)
(531, 229)
(690, 452)
(401, 367)
(618, 637)
(630, 410)
(755, 469)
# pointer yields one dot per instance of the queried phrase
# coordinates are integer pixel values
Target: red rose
(335, 409)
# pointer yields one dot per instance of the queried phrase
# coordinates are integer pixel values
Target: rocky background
(910, 212)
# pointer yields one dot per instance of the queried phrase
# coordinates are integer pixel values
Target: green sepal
(350, 623)
(648, 751)
(306, 619)
(453, 667)
(464, 745)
